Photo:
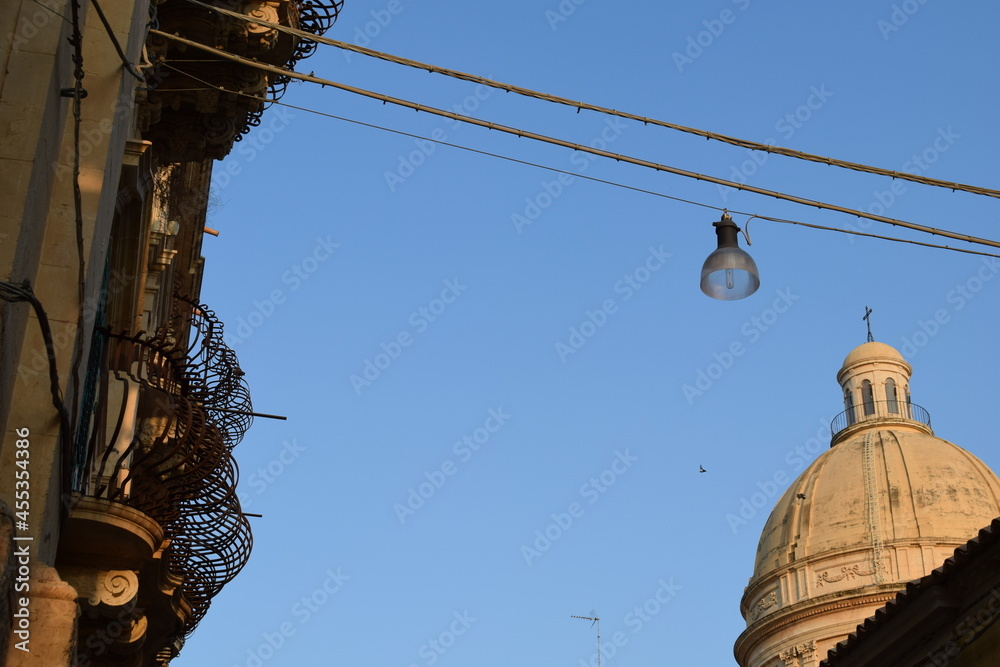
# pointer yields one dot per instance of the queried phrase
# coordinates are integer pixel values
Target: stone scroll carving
(763, 604)
(849, 572)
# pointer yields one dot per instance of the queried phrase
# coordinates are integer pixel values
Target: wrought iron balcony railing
(188, 120)
(875, 411)
(165, 420)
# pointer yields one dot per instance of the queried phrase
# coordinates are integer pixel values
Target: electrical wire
(76, 40)
(734, 141)
(575, 146)
(13, 292)
(114, 40)
(595, 179)
(52, 10)
(868, 234)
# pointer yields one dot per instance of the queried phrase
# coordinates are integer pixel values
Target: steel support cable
(210, 86)
(868, 234)
(527, 92)
(580, 147)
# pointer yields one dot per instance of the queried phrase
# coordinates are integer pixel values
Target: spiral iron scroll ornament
(188, 121)
(213, 372)
(314, 17)
(158, 447)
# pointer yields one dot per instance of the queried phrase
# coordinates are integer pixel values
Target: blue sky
(480, 485)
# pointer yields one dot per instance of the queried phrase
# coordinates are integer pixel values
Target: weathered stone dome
(886, 504)
(874, 351)
(929, 491)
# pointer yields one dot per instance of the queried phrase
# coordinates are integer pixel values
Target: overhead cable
(734, 141)
(211, 86)
(76, 40)
(575, 146)
(22, 292)
(114, 40)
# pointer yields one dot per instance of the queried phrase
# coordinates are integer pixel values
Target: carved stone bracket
(110, 621)
(106, 592)
(116, 588)
(161, 252)
(188, 120)
(260, 38)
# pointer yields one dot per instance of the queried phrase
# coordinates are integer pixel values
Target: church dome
(874, 351)
(925, 490)
(886, 504)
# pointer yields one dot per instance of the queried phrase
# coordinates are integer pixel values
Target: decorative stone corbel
(110, 620)
(105, 592)
(161, 250)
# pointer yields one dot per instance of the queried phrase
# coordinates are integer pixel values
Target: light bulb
(729, 279)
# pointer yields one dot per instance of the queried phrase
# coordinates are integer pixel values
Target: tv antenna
(597, 622)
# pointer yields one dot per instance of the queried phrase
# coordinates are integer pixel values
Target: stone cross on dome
(867, 319)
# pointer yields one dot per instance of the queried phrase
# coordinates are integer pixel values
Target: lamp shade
(729, 273)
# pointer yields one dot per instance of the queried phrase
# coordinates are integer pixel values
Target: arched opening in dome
(890, 396)
(868, 398)
(849, 406)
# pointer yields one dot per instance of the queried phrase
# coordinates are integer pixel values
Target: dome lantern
(875, 380)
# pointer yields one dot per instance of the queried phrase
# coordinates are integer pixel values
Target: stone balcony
(154, 528)
(182, 111)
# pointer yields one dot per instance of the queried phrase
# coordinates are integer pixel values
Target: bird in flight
(701, 469)
(800, 496)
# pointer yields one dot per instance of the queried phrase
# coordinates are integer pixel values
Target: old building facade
(120, 404)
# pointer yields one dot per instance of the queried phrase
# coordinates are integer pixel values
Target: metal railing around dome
(879, 411)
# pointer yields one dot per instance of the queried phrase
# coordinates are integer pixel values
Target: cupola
(886, 504)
